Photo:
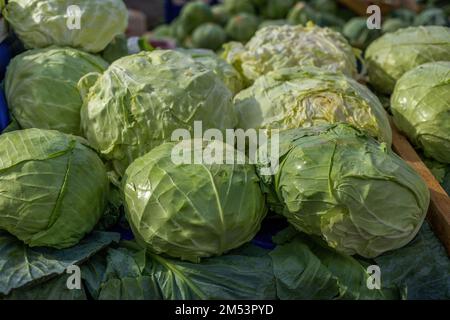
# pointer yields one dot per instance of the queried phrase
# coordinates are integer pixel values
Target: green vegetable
(243, 274)
(230, 77)
(301, 13)
(239, 6)
(358, 34)
(432, 17)
(267, 23)
(277, 9)
(23, 266)
(393, 24)
(337, 183)
(209, 36)
(220, 13)
(294, 98)
(41, 87)
(117, 49)
(138, 102)
(393, 54)
(163, 31)
(421, 108)
(193, 14)
(53, 187)
(242, 27)
(41, 24)
(328, 6)
(191, 211)
(405, 15)
(274, 48)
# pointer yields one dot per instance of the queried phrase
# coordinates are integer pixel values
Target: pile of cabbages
(88, 178)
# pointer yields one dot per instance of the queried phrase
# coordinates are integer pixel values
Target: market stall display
(99, 145)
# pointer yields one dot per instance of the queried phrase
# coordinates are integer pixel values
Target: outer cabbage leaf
(226, 72)
(306, 269)
(395, 53)
(141, 99)
(295, 97)
(40, 24)
(337, 183)
(53, 188)
(41, 87)
(191, 211)
(22, 266)
(276, 47)
(421, 108)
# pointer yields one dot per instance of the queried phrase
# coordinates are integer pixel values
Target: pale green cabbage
(421, 108)
(276, 47)
(53, 187)
(293, 98)
(226, 72)
(191, 211)
(43, 23)
(41, 87)
(395, 53)
(337, 183)
(138, 102)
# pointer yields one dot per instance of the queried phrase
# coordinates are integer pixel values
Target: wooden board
(439, 210)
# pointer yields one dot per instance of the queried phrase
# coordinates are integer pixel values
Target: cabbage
(43, 23)
(191, 211)
(220, 13)
(357, 33)
(432, 17)
(53, 187)
(393, 24)
(275, 47)
(41, 87)
(293, 98)
(230, 77)
(277, 9)
(194, 14)
(116, 49)
(138, 102)
(393, 54)
(209, 36)
(421, 108)
(242, 27)
(337, 183)
(239, 6)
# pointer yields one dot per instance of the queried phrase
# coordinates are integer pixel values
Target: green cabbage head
(294, 98)
(226, 72)
(41, 87)
(276, 47)
(53, 187)
(190, 211)
(337, 183)
(421, 108)
(41, 24)
(395, 53)
(138, 102)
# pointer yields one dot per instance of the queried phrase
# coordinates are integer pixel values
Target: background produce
(110, 199)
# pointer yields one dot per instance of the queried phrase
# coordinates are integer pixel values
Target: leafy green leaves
(23, 266)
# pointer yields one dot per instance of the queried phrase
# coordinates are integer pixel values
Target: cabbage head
(421, 108)
(242, 27)
(209, 36)
(294, 98)
(41, 87)
(190, 211)
(393, 54)
(338, 183)
(226, 72)
(53, 187)
(41, 24)
(138, 102)
(276, 47)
